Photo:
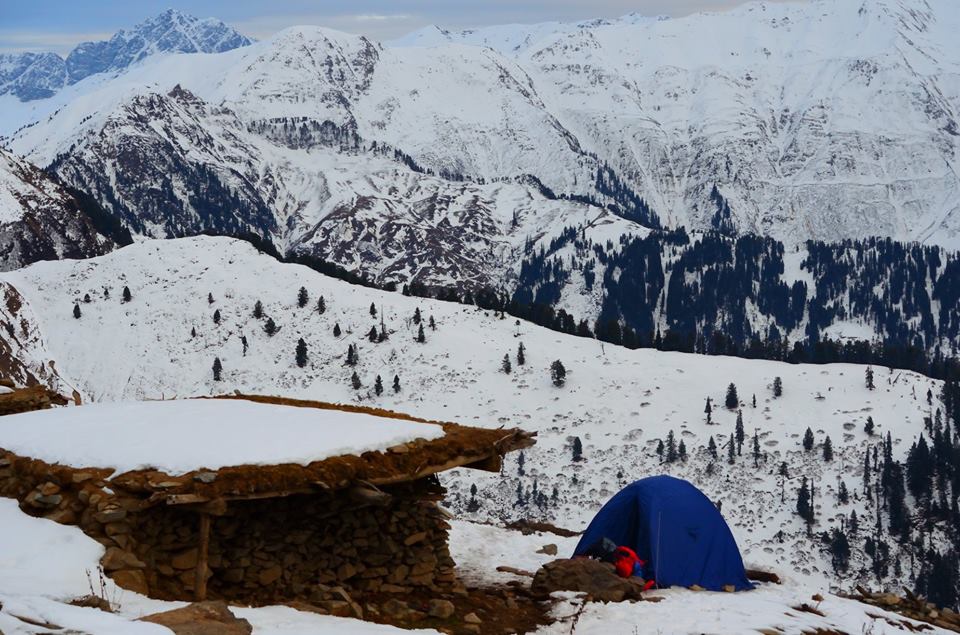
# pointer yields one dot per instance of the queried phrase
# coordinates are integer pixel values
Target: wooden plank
(200, 581)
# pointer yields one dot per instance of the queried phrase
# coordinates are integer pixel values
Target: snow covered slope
(824, 119)
(620, 403)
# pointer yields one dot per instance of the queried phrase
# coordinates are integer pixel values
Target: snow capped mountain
(822, 120)
(42, 219)
(30, 76)
(312, 188)
(620, 403)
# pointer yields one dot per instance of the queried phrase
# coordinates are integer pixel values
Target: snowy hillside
(620, 404)
(824, 119)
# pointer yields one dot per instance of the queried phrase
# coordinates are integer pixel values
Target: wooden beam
(489, 464)
(200, 581)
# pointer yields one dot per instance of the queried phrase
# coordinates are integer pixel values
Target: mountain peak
(31, 76)
(169, 32)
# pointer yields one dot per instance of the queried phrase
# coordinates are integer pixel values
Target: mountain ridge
(31, 76)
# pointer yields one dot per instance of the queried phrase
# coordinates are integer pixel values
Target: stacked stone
(323, 548)
(27, 399)
(79, 497)
(302, 547)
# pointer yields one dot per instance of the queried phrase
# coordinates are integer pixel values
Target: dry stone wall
(324, 548)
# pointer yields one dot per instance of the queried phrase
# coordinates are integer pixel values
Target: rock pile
(28, 399)
(911, 606)
(597, 579)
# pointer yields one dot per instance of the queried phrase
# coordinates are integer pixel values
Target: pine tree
(106, 293)
(827, 450)
(396, 383)
(378, 386)
(731, 451)
(421, 337)
(302, 297)
(209, 298)
(373, 335)
(558, 374)
(839, 550)
(216, 316)
(739, 431)
(753, 402)
(682, 450)
(521, 355)
(804, 508)
(270, 327)
(660, 448)
(243, 341)
(843, 495)
(417, 318)
(777, 387)
(868, 426)
(87, 300)
(258, 309)
(351, 355)
(712, 447)
(126, 294)
(76, 311)
(373, 310)
(756, 449)
(336, 330)
(217, 369)
(808, 440)
(521, 460)
(301, 353)
(732, 400)
(321, 306)
(853, 524)
(505, 365)
(433, 324)
(355, 381)
(193, 331)
(708, 409)
(868, 376)
(671, 448)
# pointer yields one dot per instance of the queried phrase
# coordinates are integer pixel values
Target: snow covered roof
(200, 449)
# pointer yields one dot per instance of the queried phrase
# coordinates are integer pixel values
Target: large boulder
(202, 618)
(597, 579)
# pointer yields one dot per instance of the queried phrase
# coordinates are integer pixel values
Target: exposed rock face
(202, 618)
(597, 579)
(41, 219)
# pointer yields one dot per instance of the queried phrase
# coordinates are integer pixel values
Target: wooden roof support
(200, 581)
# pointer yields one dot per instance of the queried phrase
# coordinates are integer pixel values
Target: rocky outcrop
(43, 219)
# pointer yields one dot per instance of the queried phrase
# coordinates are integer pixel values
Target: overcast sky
(58, 25)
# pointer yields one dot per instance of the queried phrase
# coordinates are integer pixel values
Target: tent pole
(656, 567)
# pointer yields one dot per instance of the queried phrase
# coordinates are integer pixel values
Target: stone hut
(328, 531)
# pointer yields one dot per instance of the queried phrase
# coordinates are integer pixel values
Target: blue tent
(676, 529)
